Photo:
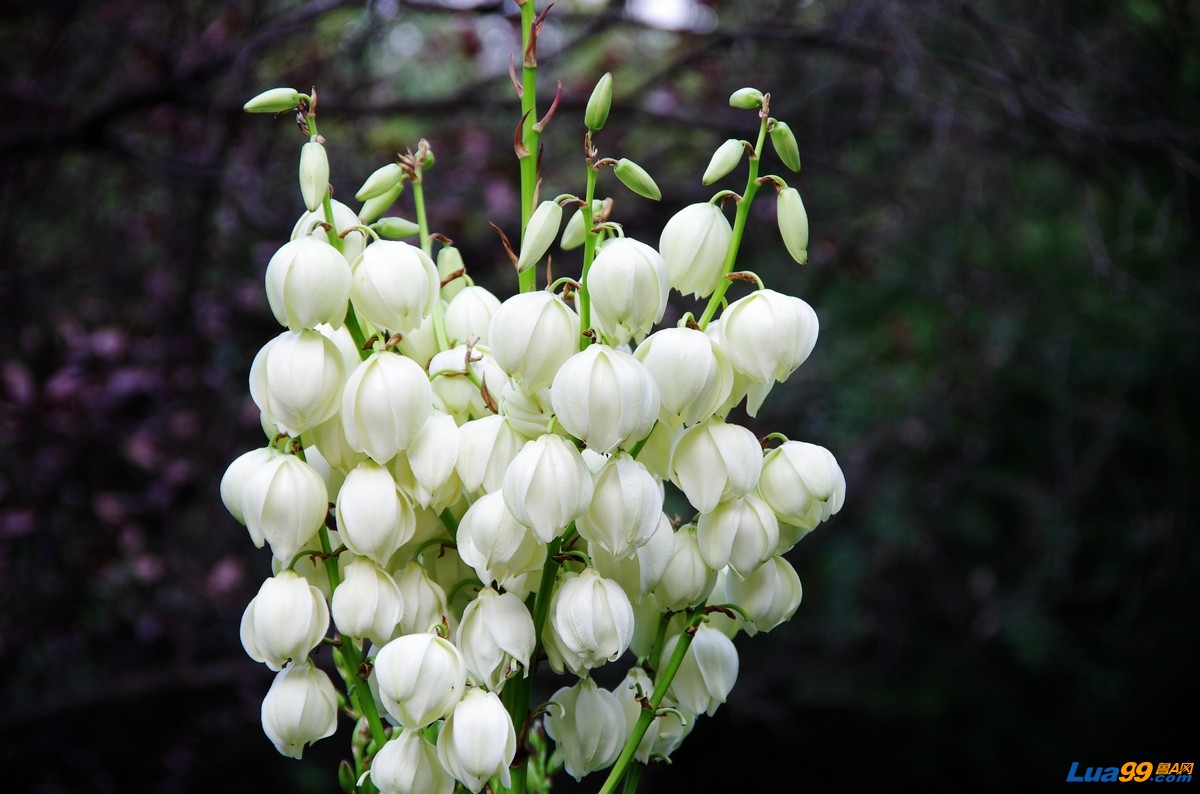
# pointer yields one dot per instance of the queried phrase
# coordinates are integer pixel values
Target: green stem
(529, 136)
(589, 253)
(360, 692)
(739, 227)
(439, 318)
(632, 777)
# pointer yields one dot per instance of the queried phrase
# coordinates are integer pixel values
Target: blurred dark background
(1003, 197)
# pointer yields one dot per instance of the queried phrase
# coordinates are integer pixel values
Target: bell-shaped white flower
(669, 727)
(238, 473)
(421, 344)
(431, 457)
(285, 621)
(421, 677)
(531, 335)
(285, 502)
(688, 579)
(605, 397)
(330, 438)
(296, 379)
(497, 638)
(367, 602)
(694, 244)
(454, 391)
(478, 741)
(343, 218)
(499, 548)
(628, 285)
(393, 285)
(640, 573)
(308, 283)
(768, 335)
(373, 516)
(300, 708)
(693, 375)
(626, 507)
(592, 618)
(769, 596)
(547, 486)
(469, 314)
(486, 448)
(708, 672)
(714, 462)
(588, 726)
(386, 401)
(408, 764)
(422, 600)
(741, 533)
(803, 484)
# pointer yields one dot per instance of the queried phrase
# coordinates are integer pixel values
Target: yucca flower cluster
(454, 486)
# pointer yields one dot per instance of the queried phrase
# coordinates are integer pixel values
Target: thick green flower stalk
(457, 488)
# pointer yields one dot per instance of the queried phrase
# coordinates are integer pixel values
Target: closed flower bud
(793, 223)
(395, 228)
(408, 764)
(588, 725)
(310, 224)
(746, 99)
(300, 708)
(285, 621)
(625, 509)
(639, 574)
(547, 486)
(393, 285)
(769, 596)
(469, 314)
(575, 233)
(693, 375)
(634, 177)
(599, 103)
(367, 602)
(803, 484)
(539, 234)
(308, 283)
(724, 160)
(233, 482)
(497, 638)
(768, 334)
(422, 600)
(531, 335)
(694, 244)
(688, 580)
(486, 447)
(387, 399)
(499, 548)
(592, 618)
(314, 174)
(714, 462)
(740, 533)
(478, 741)
(605, 397)
(273, 100)
(372, 208)
(373, 516)
(449, 261)
(628, 284)
(380, 181)
(296, 379)
(285, 502)
(708, 672)
(784, 141)
(669, 727)
(421, 677)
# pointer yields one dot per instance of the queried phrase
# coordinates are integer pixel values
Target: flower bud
(531, 335)
(740, 533)
(599, 103)
(634, 177)
(605, 397)
(793, 223)
(784, 141)
(310, 224)
(296, 379)
(285, 621)
(478, 741)
(380, 181)
(724, 160)
(575, 233)
(628, 284)
(469, 314)
(300, 708)
(367, 602)
(373, 516)
(746, 99)
(496, 636)
(693, 375)
(486, 447)
(233, 482)
(588, 725)
(387, 399)
(395, 228)
(708, 672)
(768, 334)
(372, 208)
(422, 600)
(592, 618)
(539, 234)
(285, 503)
(688, 580)
(714, 462)
(421, 677)
(802, 483)
(547, 486)
(308, 283)
(408, 764)
(273, 100)
(769, 596)
(450, 260)
(626, 508)
(694, 244)
(314, 174)
(393, 285)
(499, 548)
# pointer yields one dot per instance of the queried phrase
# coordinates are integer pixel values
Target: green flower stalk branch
(497, 470)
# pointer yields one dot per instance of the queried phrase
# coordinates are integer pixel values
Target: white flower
(478, 741)
(592, 618)
(233, 482)
(367, 602)
(454, 391)
(741, 533)
(421, 677)
(529, 414)
(499, 548)
(639, 574)
(605, 397)
(295, 380)
(486, 447)
(688, 580)
(300, 708)
(393, 285)
(626, 507)
(408, 764)
(803, 484)
(308, 283)
(693, 375)
(714, 462)
(497, 638)
(431, 457)
(588, 725)
(547, 486)
(285, 502)
(769, 596)
(628, 285)
(768, 335)
(285, 621)
(343, 219)
(708, 672)
(373, 516)
(694, 244)
(386, 401)
(469, 314)
(531, 335)
(422, 600)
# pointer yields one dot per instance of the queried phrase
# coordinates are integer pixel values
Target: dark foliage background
(1003, 197)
